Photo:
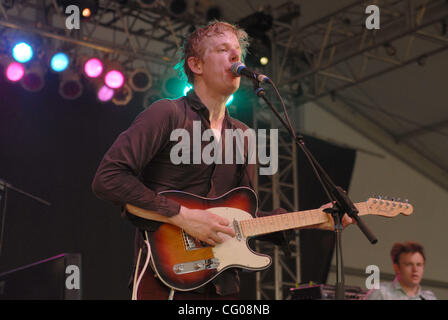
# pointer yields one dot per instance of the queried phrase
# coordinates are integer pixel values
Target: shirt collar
(196, 103)
(397, 286)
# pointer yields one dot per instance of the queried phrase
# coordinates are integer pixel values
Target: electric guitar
(185, 263)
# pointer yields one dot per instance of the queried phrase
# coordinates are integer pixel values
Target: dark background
(51, 147)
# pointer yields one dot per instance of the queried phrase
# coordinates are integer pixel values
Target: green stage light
(187, 88)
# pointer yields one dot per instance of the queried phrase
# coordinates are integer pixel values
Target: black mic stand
(5, 186)
(337, 196)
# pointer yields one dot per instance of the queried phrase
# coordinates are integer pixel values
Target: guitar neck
(292, 220)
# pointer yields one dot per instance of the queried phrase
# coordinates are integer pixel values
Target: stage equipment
(105, 93)
(33, 80)
(59, 62)
(123, 95)
(22, 52)
(14, 72)
(93, 68)
(326, 292)
(70, 86)
(140, 80)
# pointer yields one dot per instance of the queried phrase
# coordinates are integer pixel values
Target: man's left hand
(329, 225)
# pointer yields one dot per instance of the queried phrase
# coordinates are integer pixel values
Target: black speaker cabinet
(55, 278)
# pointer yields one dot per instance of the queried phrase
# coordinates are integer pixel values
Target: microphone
(239, 69)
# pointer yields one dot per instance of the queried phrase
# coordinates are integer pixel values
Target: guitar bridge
(194, 266)
(191, 243)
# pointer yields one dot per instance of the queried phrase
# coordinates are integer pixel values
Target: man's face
(219, 53)
(410, 268)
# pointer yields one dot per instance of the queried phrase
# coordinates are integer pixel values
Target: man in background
(409, 263)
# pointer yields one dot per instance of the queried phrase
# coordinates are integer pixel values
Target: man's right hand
(203, 225)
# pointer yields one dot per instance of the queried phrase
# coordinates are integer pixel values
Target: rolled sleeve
(117, 178)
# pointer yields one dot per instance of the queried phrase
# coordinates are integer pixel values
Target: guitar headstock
(388, 208)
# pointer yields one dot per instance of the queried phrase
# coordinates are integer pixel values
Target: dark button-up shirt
(138, 166)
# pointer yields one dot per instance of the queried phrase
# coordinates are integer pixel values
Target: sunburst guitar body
(185, 263)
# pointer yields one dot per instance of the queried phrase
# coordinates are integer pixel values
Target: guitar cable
(137, 281)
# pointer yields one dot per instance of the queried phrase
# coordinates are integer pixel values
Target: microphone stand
(337, 196)
(5, 186)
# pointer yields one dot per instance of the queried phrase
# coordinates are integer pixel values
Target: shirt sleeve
(117, 178)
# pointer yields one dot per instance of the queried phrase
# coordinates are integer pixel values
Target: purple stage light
(15, 71)
(93, 68)
(105, 93)
(114, 79)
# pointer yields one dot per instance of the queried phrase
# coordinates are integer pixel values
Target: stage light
(123, 95)
(86, 7)
(70, 86)
(229, 100)
(114, 79)
(178, 7)
(59, 62)
(140, 80)
(264, 61)
(22, 52)
(86, 13)
(187, 88)
(173, 87)
(93, 68)
(33, 80)
(105, 93)
(14, 72)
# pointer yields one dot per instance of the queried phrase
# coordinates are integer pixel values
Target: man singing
(138, 166)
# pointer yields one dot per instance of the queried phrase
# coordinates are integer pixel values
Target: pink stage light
(105, 93)
(114, 79)
(15, 71)
(93, 68)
